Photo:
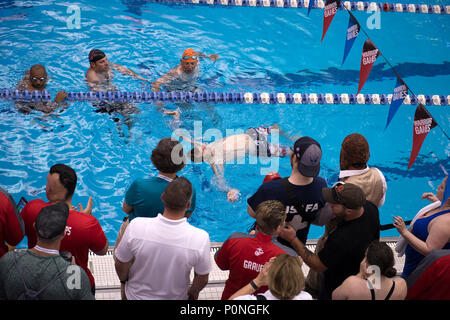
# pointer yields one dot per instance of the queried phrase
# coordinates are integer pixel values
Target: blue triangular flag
(352, 33)
(400, 92)
(310, 5)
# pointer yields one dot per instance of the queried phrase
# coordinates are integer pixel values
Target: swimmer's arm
(195, 143)
(125, 71)
(212, 57)
(166, 78)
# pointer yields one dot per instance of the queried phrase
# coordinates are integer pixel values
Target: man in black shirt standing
(345, 247)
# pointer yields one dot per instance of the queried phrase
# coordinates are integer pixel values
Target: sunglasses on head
(186, 57)
(36, 79)
(336, 196)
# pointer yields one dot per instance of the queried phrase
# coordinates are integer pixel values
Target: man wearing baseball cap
(301, 192)
(346, 245)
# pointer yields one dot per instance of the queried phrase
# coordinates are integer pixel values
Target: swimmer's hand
(213, 57)
(233, 195)
(60, 96)
(172, 113)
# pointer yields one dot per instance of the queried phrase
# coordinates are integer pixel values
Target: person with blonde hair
(284, 277)
(244, 255)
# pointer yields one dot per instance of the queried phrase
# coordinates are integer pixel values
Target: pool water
(261, 50)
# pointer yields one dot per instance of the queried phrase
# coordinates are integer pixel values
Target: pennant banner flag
(369, 55)
(310, 5)
(330, 10)
(400, 93)
(423, 123)
(352, 33)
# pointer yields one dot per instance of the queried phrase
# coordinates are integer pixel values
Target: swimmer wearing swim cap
(184, 76)
(100, 72)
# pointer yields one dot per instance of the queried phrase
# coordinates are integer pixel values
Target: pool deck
(108, 286)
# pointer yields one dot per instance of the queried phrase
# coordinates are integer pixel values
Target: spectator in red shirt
(83, 231)
(245, 255)
(11, 224)
(431, 279)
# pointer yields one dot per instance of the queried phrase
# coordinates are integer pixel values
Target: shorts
(259, 136)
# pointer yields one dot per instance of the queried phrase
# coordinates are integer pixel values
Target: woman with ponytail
(376, 279)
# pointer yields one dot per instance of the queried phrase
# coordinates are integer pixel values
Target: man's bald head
(38, 76)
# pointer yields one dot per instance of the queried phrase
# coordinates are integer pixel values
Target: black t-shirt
(310, 196)
(345, 248)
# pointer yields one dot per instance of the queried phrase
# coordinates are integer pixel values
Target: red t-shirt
(245, 255)
(10, 230)
(433, 283)
(83, 232)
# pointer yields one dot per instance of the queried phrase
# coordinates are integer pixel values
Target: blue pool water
(261, 49)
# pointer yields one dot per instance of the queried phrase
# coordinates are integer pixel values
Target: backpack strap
(32, 293)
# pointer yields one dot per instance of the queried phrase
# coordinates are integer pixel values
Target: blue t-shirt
(310, 196)
(144, 195)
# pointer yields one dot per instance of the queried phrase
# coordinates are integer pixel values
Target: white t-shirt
(303, 295)
(165, 251)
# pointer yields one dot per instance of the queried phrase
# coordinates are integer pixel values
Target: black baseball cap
(309, 153)
(51, 220)
(349, 195)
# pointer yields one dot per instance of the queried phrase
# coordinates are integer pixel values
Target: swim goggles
(186, 57)
(36, 79)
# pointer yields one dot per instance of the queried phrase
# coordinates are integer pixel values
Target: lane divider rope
(225, 97)
(320, 4)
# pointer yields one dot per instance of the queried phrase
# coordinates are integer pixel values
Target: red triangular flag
(423, 123)
(369, 55)
(330, 10)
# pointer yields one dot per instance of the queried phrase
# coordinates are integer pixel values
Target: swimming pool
(261, 49)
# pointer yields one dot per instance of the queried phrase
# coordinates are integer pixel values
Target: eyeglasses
(186, 57)
(36, 79)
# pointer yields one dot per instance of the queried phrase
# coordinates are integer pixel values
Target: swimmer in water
(35, 79)
(253, 142)
(182, 77)
(98, 78)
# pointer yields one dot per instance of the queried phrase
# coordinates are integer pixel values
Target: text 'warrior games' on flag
(330, 10)
(400, 93)
(369, 55)
(423, 123)
(352, 33)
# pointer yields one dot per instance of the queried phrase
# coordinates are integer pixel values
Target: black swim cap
(96, 54)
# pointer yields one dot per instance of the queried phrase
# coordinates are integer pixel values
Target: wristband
(293, 238)
(253, 284)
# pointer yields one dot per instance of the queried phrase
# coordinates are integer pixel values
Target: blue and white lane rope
(225, 97)
(320, 4)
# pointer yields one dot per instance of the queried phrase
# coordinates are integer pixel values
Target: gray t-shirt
(38, 271)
